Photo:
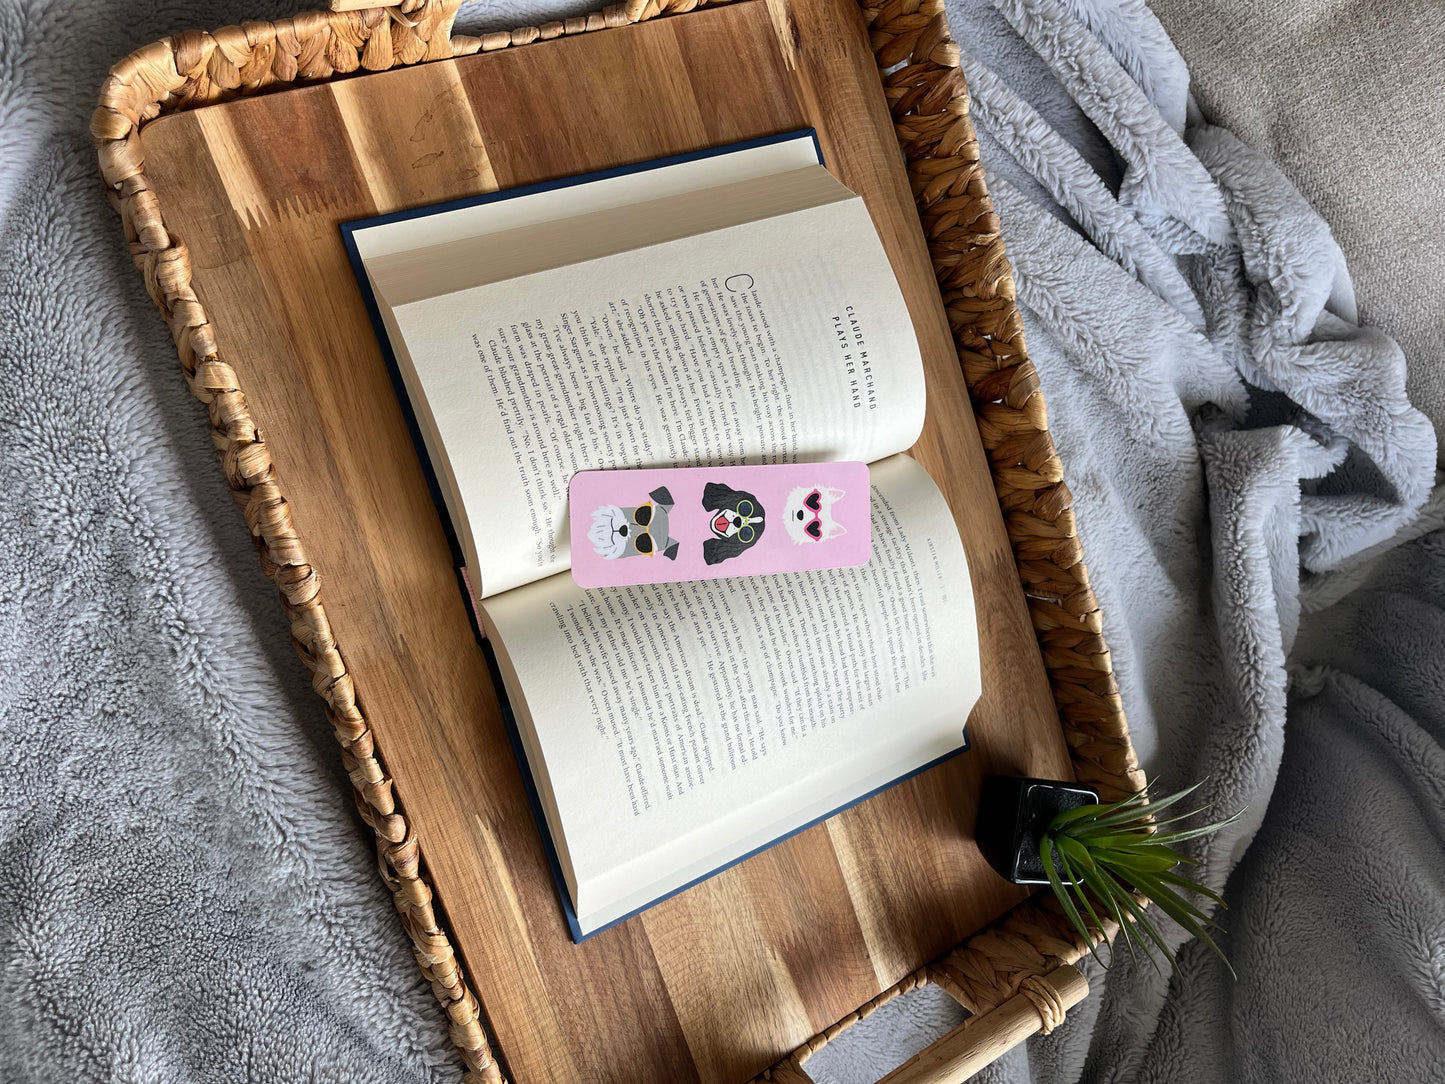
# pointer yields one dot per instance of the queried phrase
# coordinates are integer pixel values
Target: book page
(552, 200)
(451, 267)
(782, 340)
(672, 728)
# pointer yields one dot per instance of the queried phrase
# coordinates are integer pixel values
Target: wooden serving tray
(233, 211)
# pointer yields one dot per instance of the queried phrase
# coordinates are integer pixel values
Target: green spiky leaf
(1084, 932)
(1127, 860)
(1075, 852)
(1110, 851)
(1046, 852)
(1095, 881)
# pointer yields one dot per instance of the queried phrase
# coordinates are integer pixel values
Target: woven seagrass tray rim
(919, 66)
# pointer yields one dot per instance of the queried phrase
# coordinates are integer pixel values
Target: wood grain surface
(723, 980)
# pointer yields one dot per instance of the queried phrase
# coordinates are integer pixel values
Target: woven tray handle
(1037, 1008)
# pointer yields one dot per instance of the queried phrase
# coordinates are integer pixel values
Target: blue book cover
(661, 780)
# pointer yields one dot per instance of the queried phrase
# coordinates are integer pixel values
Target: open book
(728, 307)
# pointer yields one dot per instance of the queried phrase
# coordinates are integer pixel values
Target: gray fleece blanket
(187, 896)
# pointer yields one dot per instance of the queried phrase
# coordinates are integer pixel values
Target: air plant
(1098, 856)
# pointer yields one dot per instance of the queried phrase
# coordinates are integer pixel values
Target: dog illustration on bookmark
(734, 519)
(640, 531)
(808, 515)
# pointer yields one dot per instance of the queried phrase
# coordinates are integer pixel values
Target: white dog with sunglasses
(808, 515)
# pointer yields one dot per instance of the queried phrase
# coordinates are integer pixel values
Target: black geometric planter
(1012, 816)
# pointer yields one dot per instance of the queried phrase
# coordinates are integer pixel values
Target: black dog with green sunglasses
(735, 519)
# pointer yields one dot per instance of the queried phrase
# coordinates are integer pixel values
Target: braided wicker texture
(926, 93)
(927, 96)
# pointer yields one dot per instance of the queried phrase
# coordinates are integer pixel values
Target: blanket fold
(1224, 433)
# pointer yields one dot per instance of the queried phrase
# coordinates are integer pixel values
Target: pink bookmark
(667, 524)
